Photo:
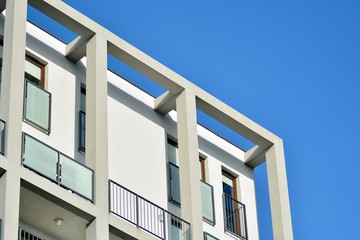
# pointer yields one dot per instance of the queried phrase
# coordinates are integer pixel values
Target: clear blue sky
(292, 66)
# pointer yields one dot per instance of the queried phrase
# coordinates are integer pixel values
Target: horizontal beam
(76, 50)
(234, 120)
(66, 15)
(165, 103)
(144, 64)
(255, 156)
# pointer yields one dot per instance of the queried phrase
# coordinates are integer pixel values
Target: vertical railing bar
(137, 210)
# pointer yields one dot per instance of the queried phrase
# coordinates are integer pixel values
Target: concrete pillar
(11, 106)
(278, 189)
(191, 205)
(97, 131)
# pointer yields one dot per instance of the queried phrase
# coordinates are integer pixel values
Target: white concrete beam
(278, 190)
(234, 120)
(165, 103)
(142, 63)
(97, 129)
(191, 204)
(11, 107)
(255, 156)
(66, 15)
(76, 50)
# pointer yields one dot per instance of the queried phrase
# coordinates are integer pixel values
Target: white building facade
(84, 154)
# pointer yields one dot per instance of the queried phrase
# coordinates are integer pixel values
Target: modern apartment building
(86, 155)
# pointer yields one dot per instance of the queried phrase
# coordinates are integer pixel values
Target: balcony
(57, 167)
(2, 136)
(146, 215)
(26, 235)
(37, 106)
(234, 217)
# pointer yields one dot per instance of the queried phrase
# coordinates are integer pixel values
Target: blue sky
(291, 66)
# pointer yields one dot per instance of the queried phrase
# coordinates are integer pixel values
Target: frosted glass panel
(40, 158)
(207, 202)
(76, 177)
(2, 137)
(209, 237)
(173, 154)
(37, 106)
(83, 102)
(174, 183)
(32, 69)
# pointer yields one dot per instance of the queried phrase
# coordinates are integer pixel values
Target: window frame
(233, 179)
(206, 234)
(82, 112)
(234, 195)
(41, 66)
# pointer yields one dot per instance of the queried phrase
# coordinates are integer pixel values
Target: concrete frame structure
(95, 42)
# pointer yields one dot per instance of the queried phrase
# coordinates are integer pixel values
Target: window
(35, 72)
(82, 118)
(209, 237)
(207, 192)
(174, 174)
(202, 169)
(231, 210)
(37, 101)
(2, 137)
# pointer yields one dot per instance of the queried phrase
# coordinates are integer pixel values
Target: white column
(97, 131)
(191, 205)
(278, 189)
(11, 106)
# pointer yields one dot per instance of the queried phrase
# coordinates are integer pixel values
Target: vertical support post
(278, 189)
(11, 105)
(191, 205)
(97, 131)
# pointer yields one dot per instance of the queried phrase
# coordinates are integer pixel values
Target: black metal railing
(82, 129)
(234, 217)
(57, 167)
(2, 136)
(26, 235)
(146, 215)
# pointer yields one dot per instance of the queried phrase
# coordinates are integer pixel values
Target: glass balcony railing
(146, 215)
(207, 196)
(57, 167)
(37, 106)
(2, 136)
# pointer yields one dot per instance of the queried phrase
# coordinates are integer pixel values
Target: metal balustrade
(234, 217)
(2, 136)
(146, 215)
(57, 167)
(26, 235)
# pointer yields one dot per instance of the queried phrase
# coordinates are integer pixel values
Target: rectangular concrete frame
(268, 146)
